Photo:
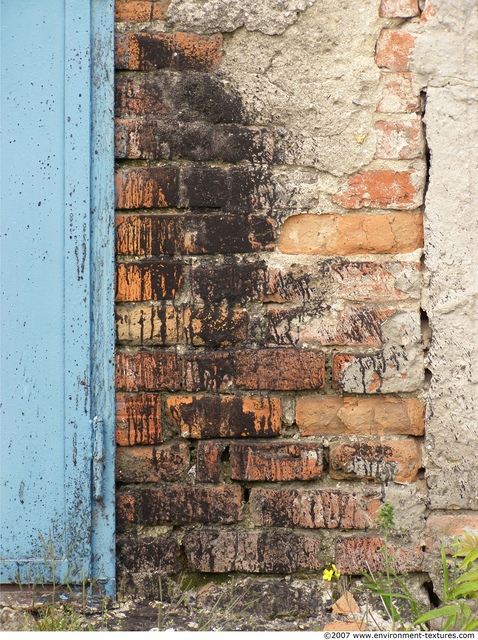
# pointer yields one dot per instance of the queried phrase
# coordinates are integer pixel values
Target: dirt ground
(240, 604)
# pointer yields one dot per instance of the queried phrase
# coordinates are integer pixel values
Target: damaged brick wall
(270, 366)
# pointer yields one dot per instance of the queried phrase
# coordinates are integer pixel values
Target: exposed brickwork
(275, 462)
(317, 415)
(380, 189)
(252, 551)
(268, 289)
(180, 51)
(355, 233)
(394, 49)
(398, 9)
(138, 419)
(152, 464)
(393, 460)
(179, 505)
(280, 369)
(225, 416)
(354, 555)
(140, 10)
(310, 509)
(446, 528)
(147, 370)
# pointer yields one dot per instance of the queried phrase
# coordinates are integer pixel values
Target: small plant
(461, 587)
(385, 584)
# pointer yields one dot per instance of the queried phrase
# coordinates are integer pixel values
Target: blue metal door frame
(57, 504)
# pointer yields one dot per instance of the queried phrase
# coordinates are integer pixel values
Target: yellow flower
(336, 571)
(328, 574)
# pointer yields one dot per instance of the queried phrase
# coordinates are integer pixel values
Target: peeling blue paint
(57, 343)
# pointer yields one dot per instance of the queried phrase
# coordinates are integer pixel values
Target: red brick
(138, 419)
(164, 325)
(139, 96)
(394, 48)
(400, 93)
(148, 280)
(179, 51)
(140, 10)
(192, 234)
(398, 460)
(146, 188)
(381, 189)
(311, 509)
(297, 283)
(180, 505)
(208, 371)
(399, 140)
(209, 468)
(354, 555)
(446, 528)
(147, 370)
(152, 464)
(321, 415)
(225, 416)
(355, 326)
(280, 369)
(282, 461)
(220, 551)
(398, 9)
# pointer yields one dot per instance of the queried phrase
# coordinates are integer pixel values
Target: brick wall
(270, 364)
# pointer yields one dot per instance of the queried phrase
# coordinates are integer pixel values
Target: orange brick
(310, 509)
(155, 187)
(143, 324)
(138, 419)
(179, 51)
(394, 48)
(446, 527)
(384, 461)
(400, 93)
(283, 461)
(225, 416)
(147, 371)
(320, 415)
(140, 10)
(398, 9)
(152, 464)
(381, 189)
(351, 234)
(209, 467)
(399, 140)
(280, 369)
(148, 280)
(354, 555)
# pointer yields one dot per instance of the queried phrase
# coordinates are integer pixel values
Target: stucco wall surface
(446, 60)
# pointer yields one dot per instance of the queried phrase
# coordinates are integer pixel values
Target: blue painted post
(102, 269)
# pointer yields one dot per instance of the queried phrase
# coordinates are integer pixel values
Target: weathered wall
(270, 367)
(446, 60)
